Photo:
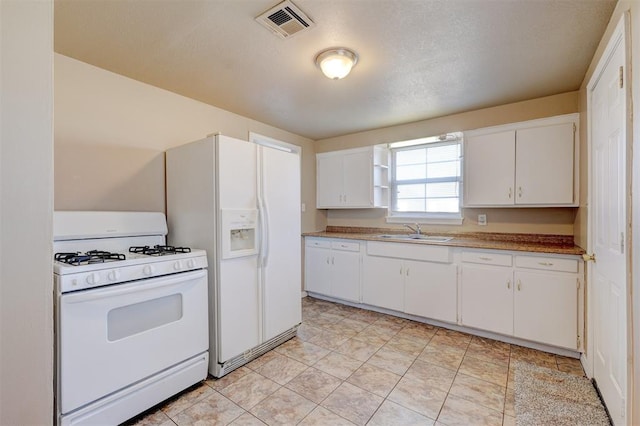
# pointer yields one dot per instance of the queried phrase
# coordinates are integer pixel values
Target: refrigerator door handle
(262, 213)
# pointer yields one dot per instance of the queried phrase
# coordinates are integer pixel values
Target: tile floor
(350, 366)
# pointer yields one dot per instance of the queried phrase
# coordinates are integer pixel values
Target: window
(426, 180)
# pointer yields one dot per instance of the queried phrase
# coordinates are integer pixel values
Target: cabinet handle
(333, 260)
(510, 192)
(484, 258)
(327, 260)
(519, 285)
(401, 270)
(519, 192)
(545, 263)
(509, 284)
(407, 271)
(343, 245)
(345, 198)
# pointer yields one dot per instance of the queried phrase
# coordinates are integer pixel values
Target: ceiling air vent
(285, 20)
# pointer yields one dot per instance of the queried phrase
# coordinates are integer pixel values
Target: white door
(430, 290)
(383, 282)
(487, 298)
(330, 185)
(555, 294)
(345, 276)
(358, 179)
(552, 148)
(608, 232)
(281, 270)
(489, 169)
(317, 269)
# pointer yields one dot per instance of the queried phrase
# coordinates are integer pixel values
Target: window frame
(448, 218)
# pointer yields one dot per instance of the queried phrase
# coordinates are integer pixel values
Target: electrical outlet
(304, 207)
(482, 219)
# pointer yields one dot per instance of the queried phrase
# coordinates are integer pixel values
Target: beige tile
(479, 392)
(409, 346)
(447, 357)
(305, 352)
(338, 365)
(247, 419)
(431, 375)
(571, 369)
(357, 349)
(459, 412)
(331, 317)
(453, 334)
(313, 384)
(155, 418)
(532, 356)
(283, 407)
(394, 414)
(393, 361)
(410, 335)
(439, 341)
(306, 331)
(352, 403)
(374, 379)
(323, 417)
(329, 340)
(489, 344)
(186, 399)
(510, 403)
(353, 324)
(214, 409)
(508, 421)
(488, 371)
(488, 354)
(385, 330)
(281, 369)
(393, 323)
(418, 329)
(249, 390)
(340, 330)
(262, 360)
(417, 396)
(365, 316)
(373, 336)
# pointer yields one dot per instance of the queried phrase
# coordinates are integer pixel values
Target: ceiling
(419, 59)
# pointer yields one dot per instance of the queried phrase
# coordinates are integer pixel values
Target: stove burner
(158, 250)
(92, 256)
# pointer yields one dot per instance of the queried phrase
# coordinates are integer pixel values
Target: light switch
(304, 207)
(482, 219)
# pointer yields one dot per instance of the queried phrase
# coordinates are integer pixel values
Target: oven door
(112, 337)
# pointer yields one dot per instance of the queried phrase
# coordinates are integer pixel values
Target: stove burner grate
(92, 256)
(159, 250)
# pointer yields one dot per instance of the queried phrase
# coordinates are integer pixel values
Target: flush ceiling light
(336, 63)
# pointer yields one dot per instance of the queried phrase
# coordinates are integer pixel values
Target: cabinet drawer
(547, 263)
(410, 251)
(486, 258)
(345, 245)
(320, 243)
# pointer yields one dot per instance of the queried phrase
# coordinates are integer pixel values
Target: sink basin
(421, 237)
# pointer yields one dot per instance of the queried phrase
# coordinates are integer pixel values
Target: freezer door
(281, 272)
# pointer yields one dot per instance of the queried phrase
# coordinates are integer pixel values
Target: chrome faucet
(415, 228)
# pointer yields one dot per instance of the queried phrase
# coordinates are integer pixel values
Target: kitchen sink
(421, 237)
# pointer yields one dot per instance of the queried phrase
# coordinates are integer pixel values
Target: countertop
(538, 243)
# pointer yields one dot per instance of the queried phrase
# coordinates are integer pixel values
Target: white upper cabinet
(530, 164)
(352, 178)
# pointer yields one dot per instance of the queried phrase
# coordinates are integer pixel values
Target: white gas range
(131, 315)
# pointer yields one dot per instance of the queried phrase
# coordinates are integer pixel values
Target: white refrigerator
(240, 201)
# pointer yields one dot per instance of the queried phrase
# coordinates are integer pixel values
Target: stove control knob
(148, 270)
(93, 278)
(113, 275)
(191, 263)
(177, 266)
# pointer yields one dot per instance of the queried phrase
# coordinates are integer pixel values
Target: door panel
(553, 147)
(236, 173)
(608, 209)
(281, 278)
(358, 179)
(330, 183)
(431, 291)
(238, 306)
(383, 282)
(318, 270)
(487, 298)
(345, 282)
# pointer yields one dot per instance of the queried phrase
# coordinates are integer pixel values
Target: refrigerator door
(238, 299)
(281, 257)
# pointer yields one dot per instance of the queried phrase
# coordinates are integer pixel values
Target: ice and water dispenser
(239, 233)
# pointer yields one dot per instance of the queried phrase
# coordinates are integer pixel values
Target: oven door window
(140, 317)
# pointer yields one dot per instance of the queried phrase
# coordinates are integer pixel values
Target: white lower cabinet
(419, 286)
(332, 268)
(536, 299)
(487, 298)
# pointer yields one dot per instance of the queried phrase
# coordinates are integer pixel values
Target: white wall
(26, 194)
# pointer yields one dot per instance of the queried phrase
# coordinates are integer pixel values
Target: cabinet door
(546, 308)
(544, 165)
(489, 164)
(487, 298)
(329, 185)
(317, 270)
(430, 290)
(358, 179)
(383, 282)
(345, 275)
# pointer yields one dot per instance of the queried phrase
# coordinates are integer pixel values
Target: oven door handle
(134, 287)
